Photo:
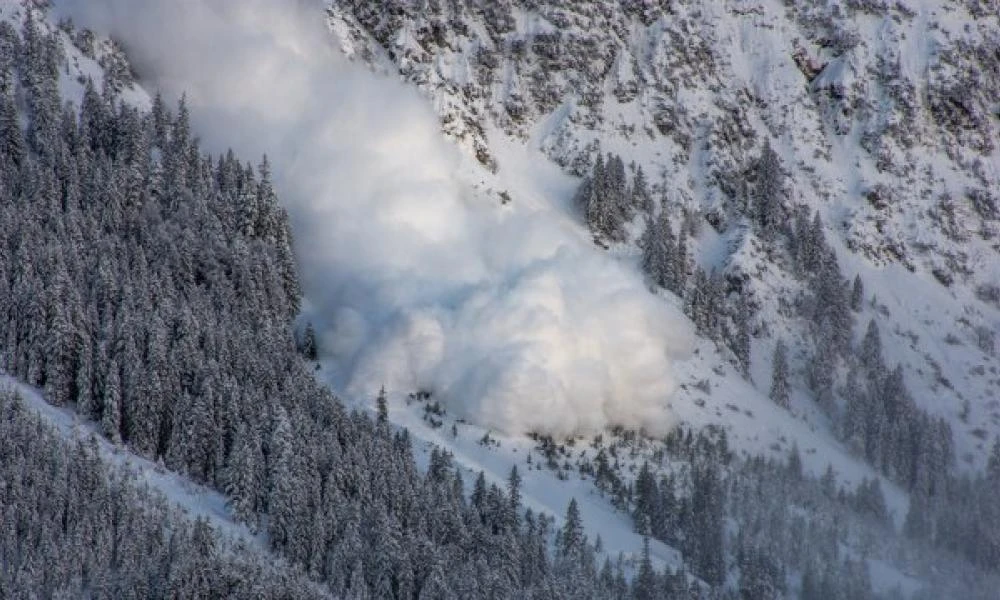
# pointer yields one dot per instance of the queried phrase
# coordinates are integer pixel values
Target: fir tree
(642, 200)
(769, 190)
(572, 540)
(779, 375)
(382, 407)
(241, 478)
(705, 529)
(646, 501)
(308, 346)
(741, 340)
(795, 463)
(111, 410)
(681, 264)
(857, 294)
(871, 351)
(656, 243)
(644, 587)
(511, 516)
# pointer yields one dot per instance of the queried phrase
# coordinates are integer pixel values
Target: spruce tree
(282, 487)
(646, 501)
(644, 586)
(656, 243)
(382, 406)
(779, 375)
(769, 191)
(741, 337)
(308, 346)
(242, 480)
(512, 519)
(795, 463)
(681, 264)
(871, 352)
(705, 541)
(572, 539)
(642, 200)
(857, 294)
(111, 409)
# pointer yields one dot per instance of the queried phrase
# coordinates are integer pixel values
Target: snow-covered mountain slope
(884, 116)
(475, 280)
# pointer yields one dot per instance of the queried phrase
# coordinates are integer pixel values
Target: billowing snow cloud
(415, 279)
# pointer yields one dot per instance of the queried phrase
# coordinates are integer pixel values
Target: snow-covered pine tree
(657, 245)
(768, 192)
(780, 392)
(857, 294)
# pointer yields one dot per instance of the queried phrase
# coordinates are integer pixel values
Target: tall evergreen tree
(682, 264)
(705, 545)
(871, 350)
(512, 519)
(645, 584)
(642, 200)
(572, 539)
(779, 375)
(282, 487)
(111, 410)
(857, 293)
(657, 245)
(382, 406)
(647, 501)
(741, 336)
(242, 480)
(769, 190)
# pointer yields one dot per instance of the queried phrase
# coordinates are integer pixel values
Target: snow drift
(414, 279)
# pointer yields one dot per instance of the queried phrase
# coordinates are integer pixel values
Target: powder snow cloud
(414, 279)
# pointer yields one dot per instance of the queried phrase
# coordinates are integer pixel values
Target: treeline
(74, 527)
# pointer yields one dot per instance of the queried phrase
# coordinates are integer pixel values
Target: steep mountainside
(815, 183)
(707, 308)
(883, 117)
